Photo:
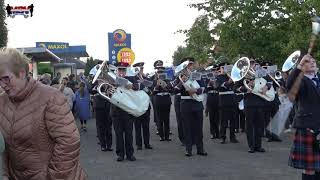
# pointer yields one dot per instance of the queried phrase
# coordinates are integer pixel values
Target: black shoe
(183, 144)
(251, 151)
(202, 153)
(260, 150)
(170, 133)
(269, 140)
(234, 140)
(84, 129)
(212, 137)
(236, 130)
(161, 139)
(109, 149)
(243, 130)
(148, 147)
(168, 139)
(188, 154)
(131, 158)
(103, 149)
(99, 143)
(157, 133)
(139, 148)
(223, 141)
(120, 158)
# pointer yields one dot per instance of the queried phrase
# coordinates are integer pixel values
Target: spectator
(66, 91)
(56, 80)
(73, 84)
(82, 105)
(42, 140)
(46, 79)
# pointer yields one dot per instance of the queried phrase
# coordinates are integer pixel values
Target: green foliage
(199, 42)
(3, 28)
(45, 68)
(179, 54)
(89, 65)
(269, 30)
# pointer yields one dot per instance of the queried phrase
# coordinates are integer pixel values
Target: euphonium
(189, 84)
(242, 70)
(135, 103)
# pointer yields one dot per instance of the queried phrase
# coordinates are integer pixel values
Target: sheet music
(121, 81)
(163, 76)
(195, 76)
(146, 83)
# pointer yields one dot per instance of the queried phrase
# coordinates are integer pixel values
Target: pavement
(167, 161)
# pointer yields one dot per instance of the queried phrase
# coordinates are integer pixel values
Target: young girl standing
(82, 105)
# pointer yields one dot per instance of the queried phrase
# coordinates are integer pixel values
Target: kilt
(305, 151)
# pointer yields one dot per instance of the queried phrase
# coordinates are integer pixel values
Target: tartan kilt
(305, 151)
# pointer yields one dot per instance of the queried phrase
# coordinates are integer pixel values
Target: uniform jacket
(41, 136)
(307, 102)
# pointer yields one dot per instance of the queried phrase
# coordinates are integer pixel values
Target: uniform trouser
(123, 126)
(155, 118)
(240, 119)
(142, 122)
(227, 116)
(214, 121)
(193, 129)
(163, 117)
(104, 127)
(254, 129)
(179, 118)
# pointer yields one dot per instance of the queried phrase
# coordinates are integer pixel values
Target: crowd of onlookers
(76, 90)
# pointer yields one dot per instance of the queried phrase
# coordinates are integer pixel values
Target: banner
(117, 40)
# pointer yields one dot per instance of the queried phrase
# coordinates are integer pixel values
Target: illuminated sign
(55, 47)
(117, 40)
(126, 55)
(25, 11)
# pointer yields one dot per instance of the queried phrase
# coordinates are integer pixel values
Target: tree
(179, 54)
(3, 28)
(268, 30)
(199, 41)
(45, 68)
(89, 65)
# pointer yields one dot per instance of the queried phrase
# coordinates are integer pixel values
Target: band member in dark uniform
(254, 112)
(305, 151)
(123, 121)
(104, 122)
(270, 108)
(177, 100)
(142, 122)
(156, 65)
(213, 105)
(192, 114)
(227, 105)
(240, 115)
(162, 101)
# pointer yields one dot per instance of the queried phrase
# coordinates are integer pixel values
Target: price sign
(126, 55)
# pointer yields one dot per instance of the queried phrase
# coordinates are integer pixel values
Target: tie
(317, 82)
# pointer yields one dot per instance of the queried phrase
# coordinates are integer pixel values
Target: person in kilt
(305, 152)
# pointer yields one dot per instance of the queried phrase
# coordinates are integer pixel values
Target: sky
(152, 24)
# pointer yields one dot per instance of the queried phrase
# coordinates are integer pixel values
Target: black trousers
(163, 117)
(143, 123)
(240, 119)
(155, 118)
(227, 118)
(179, 118)
(193, 128)
(255, 124)
(214, 121)
(104, 127)
(123, 126)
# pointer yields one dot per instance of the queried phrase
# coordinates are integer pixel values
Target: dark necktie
(317, 82)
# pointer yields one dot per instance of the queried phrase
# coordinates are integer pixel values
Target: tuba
(189, 84)
(241, 70)
(111, 87)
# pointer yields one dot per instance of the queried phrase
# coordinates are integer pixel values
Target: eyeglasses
(5, 80)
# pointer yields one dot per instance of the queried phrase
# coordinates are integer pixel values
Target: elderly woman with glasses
(42, 139)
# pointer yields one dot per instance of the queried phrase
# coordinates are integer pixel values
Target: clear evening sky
(152, 24)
